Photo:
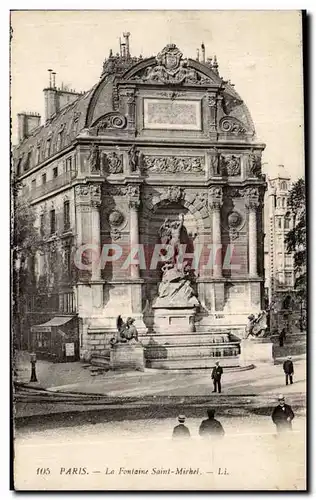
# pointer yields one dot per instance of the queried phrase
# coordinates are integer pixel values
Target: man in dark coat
(288, 370)
(216, 376)
(282, 416)
(181, 431)
(210, 427)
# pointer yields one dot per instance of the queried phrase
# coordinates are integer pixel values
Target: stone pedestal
(127, 357)
(256, 351)
(173, 320)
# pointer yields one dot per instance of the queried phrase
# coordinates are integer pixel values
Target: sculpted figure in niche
(134, 159)
(176, 284)
(94, 159)
(254, 165)
(174, 233)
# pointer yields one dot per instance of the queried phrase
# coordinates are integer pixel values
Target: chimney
(197, 54)
(27, 122)
(126, 36)
(203, 52)
(50, 97)
(21, 126)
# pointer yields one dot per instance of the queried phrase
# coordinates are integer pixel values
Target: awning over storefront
(56, 321)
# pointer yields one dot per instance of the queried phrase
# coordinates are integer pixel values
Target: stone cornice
(180, 142)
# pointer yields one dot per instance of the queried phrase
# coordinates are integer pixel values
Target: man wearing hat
(210, 427)
(181, 431)
(216, 376)
(288, 370)
(282, 415)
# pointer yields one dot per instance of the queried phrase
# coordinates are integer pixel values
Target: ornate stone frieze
(171, 94)
(231, 125)
(112, 163)
(117, 190)
(172, 69)
(215, 197)
(113, 120)
(174, 164)
(230, 165)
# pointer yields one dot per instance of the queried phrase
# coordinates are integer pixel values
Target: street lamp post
(33, 371)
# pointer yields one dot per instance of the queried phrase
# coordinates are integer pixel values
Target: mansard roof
(83, 112)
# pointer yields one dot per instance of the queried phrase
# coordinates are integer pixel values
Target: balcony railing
(57, 182)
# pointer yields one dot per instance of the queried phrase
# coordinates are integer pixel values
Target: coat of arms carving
(172, 69)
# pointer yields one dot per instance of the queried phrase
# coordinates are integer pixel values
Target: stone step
(192, 363)
(184, 339)
(190, 351)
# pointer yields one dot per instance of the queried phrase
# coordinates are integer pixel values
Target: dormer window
(38, 154)
(69, 164)
(47, 149)
(60, 137)
(28, 162)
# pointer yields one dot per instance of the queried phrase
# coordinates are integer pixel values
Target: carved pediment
(169, 67)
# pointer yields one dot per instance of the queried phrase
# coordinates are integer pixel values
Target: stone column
(95, 190)
(82, 200)
(212, 103)
(215, 203)
(131, 107)
(134, 203)
(252, 204)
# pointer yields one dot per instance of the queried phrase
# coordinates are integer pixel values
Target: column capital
(251, 195)
(215, 197)
(133, 191)
(88, 194)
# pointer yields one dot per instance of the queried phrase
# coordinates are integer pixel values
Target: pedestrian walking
(282, 416)
(210, 427)
(216, 376)
(181, 430)
(288, 369)
(282, 337)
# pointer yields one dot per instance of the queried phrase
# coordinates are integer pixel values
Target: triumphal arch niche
(173, 148)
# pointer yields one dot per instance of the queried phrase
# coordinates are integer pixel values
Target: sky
(259, 51)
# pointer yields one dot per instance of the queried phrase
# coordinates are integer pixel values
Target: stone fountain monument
(175, 307)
